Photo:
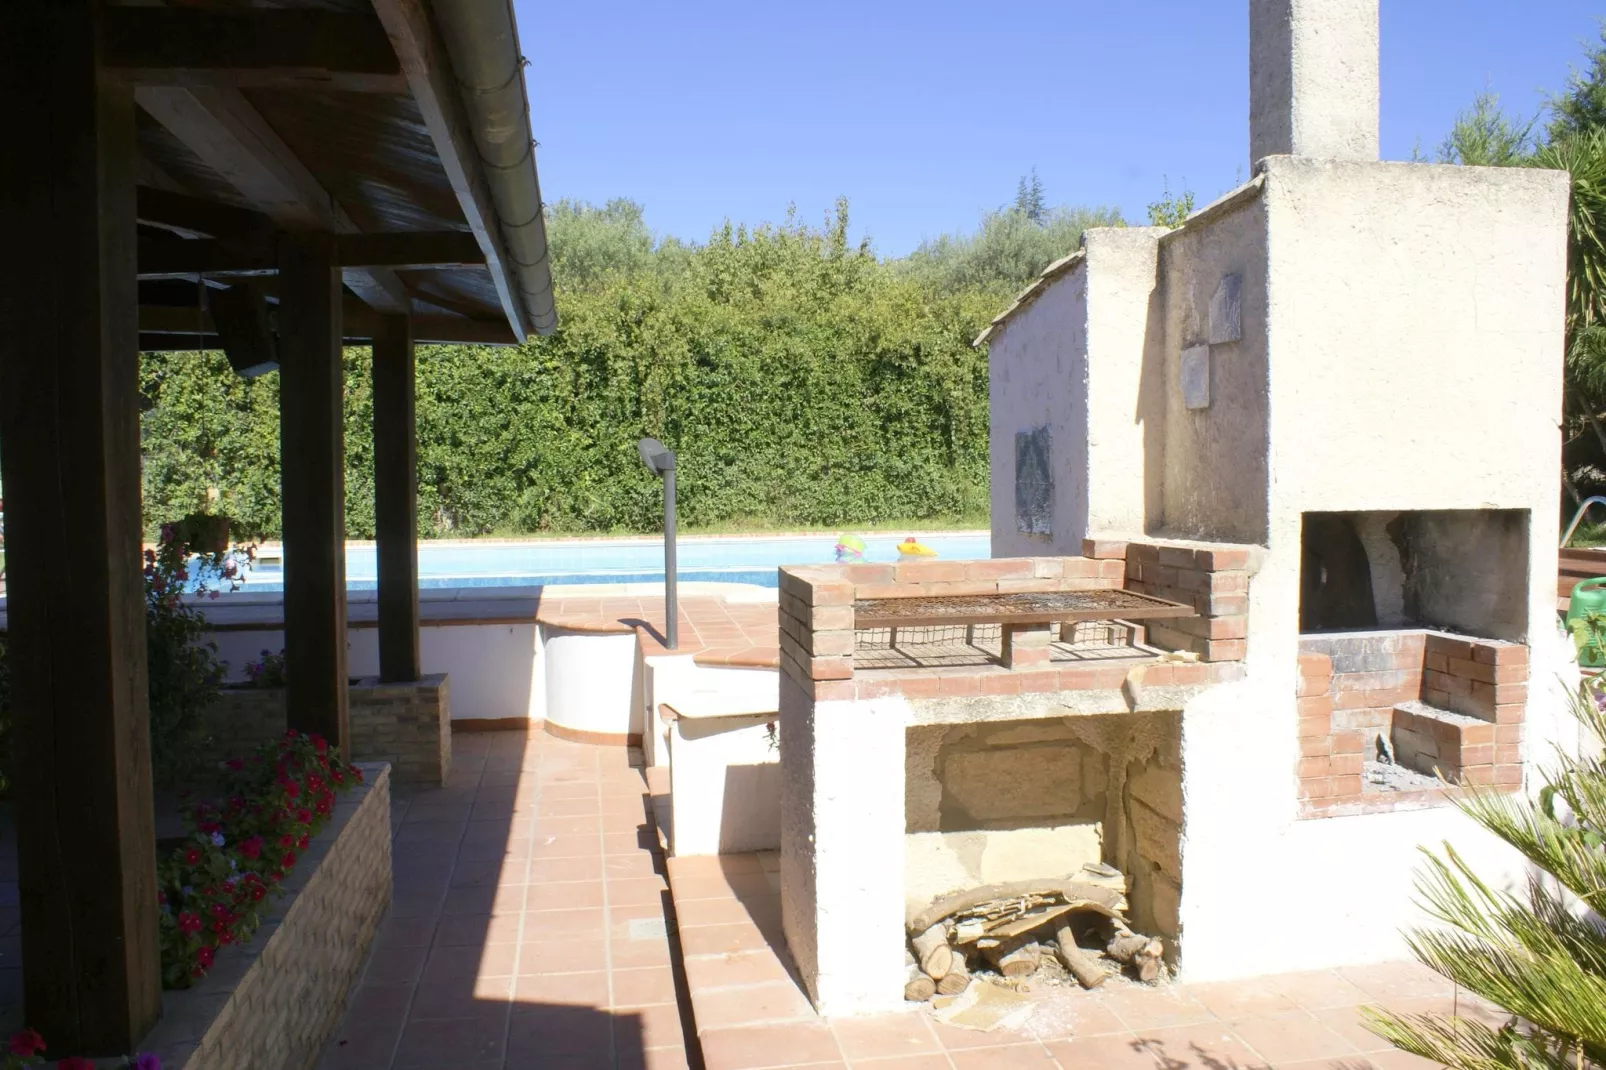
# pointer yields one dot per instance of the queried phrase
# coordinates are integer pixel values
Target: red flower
(203, 957)
(323, 806)
(357, 772)
(336, 777)
(257, 892)
(251, 848)
(189, 923)
(27, 1043)
(235, 764)
(288, 860)
(192, 856)
(75, 1063)
(301, 844)
(304, 815)
(287, 840)
(291, 788)
(219, 910)
(319, 744)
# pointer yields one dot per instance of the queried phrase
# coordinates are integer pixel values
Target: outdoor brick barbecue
(954, 726)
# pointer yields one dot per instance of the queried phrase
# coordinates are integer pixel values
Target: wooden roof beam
(277, 49)
(164, 327)
(196, 215)
(232, 138)
(180, 258)
(429, 74)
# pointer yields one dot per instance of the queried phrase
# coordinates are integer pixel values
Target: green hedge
(801, 380)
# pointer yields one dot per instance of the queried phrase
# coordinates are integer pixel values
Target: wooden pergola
(269, 177)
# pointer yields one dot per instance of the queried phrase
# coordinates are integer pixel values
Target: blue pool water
(740, 559)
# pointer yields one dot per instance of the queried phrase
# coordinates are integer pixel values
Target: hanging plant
(203, 533)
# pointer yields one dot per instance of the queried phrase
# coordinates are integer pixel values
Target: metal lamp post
(660, 461)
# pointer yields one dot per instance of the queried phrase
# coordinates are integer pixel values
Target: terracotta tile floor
(528, 924)
(751, 1013)
(529, 930)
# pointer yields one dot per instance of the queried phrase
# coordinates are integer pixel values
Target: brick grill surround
(407, 725)
(275, 1001)
(1446, 703)
(817, 628)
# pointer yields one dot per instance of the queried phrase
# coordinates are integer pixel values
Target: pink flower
(203, 957)
(27, 1043)
(189, 923)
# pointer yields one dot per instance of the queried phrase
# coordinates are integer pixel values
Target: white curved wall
(589, 680)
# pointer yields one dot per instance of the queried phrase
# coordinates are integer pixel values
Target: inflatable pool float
(912, 547)
(849, 548)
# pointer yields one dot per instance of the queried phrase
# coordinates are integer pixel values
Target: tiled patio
(528, 923)
(529, 930)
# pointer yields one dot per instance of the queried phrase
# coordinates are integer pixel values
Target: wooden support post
(396, 499)
(312, 460)
(69, 449)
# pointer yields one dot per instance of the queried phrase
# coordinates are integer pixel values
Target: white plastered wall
(1213, 463)
(1414, 327)
(842, 859)
(1037, 377)
(1074, 360)
(1126, 399)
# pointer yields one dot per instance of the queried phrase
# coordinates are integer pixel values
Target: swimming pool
(726, 559)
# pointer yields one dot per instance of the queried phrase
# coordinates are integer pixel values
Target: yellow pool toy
(911, 547)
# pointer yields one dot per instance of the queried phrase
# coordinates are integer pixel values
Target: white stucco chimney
(1313, 79)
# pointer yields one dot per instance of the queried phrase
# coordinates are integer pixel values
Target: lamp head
(656, 456)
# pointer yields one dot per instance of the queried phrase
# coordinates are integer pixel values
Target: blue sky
(926, 114)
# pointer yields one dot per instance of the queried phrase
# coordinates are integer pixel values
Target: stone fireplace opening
(1460, 570)
(1000, 802)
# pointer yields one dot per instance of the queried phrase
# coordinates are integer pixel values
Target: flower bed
(214, 888)
(274, 1001)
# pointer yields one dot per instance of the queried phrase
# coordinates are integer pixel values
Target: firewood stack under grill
(1015, 928)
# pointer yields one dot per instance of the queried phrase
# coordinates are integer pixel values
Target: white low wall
(589, 681)
(496, 669)
(725, 784)
(509, 669)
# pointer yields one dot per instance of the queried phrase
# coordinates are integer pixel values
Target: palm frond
(1464, 1043)
(1541, 956)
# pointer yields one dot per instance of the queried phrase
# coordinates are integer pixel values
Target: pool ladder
(1579, 516)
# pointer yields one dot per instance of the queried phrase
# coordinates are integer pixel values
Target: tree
(1006, 252)
(1171, 211)
(1484, 136)
(591, 245)
(1582, 108)
(1030, 200)
(1540, 956)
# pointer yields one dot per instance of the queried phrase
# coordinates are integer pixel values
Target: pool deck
(714, 632)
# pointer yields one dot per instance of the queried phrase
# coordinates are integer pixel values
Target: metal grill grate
(1020, 608)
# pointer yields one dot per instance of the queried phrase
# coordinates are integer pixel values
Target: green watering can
(1588, 599)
